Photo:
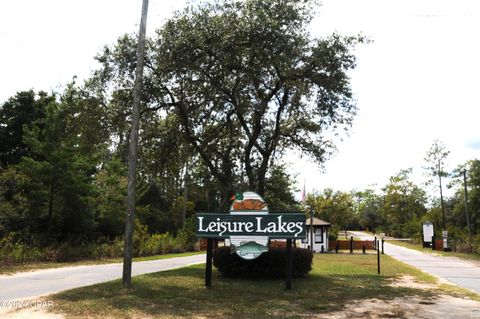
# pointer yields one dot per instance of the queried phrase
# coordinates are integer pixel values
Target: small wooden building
(320, 235)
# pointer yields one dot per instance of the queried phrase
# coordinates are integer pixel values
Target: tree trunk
(51, 196)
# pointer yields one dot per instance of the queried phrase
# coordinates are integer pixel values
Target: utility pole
(444, 232)
(441, 193)
(133, 151)
(466, 208)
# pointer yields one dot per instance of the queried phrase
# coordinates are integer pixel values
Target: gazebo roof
(317, 222)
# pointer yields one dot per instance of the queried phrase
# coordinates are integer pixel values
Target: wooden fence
(351, 244)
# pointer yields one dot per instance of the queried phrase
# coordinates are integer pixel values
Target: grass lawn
(436, 252)
(336, 280)
(45, 265)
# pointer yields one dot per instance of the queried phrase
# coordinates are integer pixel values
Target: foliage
(369, 206)
(109, 204)
(336, 207)
(186, 235)
(457, 218)
(60, 179)
(435, 159)
(23, 110)
(271, 264)
(403, 205)
(244, 81)
(14, 252)
(280, 190)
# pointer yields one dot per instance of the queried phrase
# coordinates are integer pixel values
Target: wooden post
(378, 258)
(208, 267)
(375, 242)
(423, 241)
(311, 230)
(351, 244)
(289, 264)
(133, 151)
(337, 246)
(383, 242)
(363, 249)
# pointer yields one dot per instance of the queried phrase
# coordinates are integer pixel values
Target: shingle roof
(317, 222)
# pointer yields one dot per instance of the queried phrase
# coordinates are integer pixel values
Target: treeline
(228, 88)
(401, 207)
(63, 183)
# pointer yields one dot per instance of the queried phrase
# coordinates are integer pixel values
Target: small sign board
(428, 232)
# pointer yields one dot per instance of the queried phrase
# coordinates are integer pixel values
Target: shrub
(268, 265)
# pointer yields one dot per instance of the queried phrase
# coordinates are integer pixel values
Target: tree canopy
(245, 81)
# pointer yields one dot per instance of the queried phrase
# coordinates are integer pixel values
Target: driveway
(461, 272)
(31, 284)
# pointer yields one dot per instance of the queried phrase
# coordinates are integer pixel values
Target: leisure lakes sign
(275, 226)
(249, 226)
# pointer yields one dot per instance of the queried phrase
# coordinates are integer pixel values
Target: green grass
(336, 280)
(434, 252)
(9, 270)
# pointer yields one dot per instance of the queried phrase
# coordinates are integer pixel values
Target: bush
(144, 244)
(268, 265)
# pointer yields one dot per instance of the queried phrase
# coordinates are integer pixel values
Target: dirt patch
(441, 306)
(408, 281)
(31, 313)
(410, 307)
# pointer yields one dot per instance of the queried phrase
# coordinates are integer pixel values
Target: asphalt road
(461, 272)
(31, 284)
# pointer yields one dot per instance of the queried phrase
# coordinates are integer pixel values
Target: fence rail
(352, 245)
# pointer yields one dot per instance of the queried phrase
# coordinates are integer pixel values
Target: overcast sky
(417, 81)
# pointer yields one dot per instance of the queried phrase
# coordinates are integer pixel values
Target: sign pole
(208, 268)
(288, 283)
(311, 230)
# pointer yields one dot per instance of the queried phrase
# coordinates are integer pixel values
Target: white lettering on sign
(272, 227)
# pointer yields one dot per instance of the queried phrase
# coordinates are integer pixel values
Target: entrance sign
(274, 226)
(248, 227)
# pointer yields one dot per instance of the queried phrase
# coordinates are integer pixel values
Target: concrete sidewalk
(461, 272)
(31, 284)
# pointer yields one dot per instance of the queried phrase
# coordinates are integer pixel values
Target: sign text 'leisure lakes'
(275, 226)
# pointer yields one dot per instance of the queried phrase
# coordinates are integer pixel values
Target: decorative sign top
(249, 226)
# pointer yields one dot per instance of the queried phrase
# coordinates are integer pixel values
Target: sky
(416, 81)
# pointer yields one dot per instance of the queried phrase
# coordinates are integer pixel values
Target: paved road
(461, 272)
(43, 282)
